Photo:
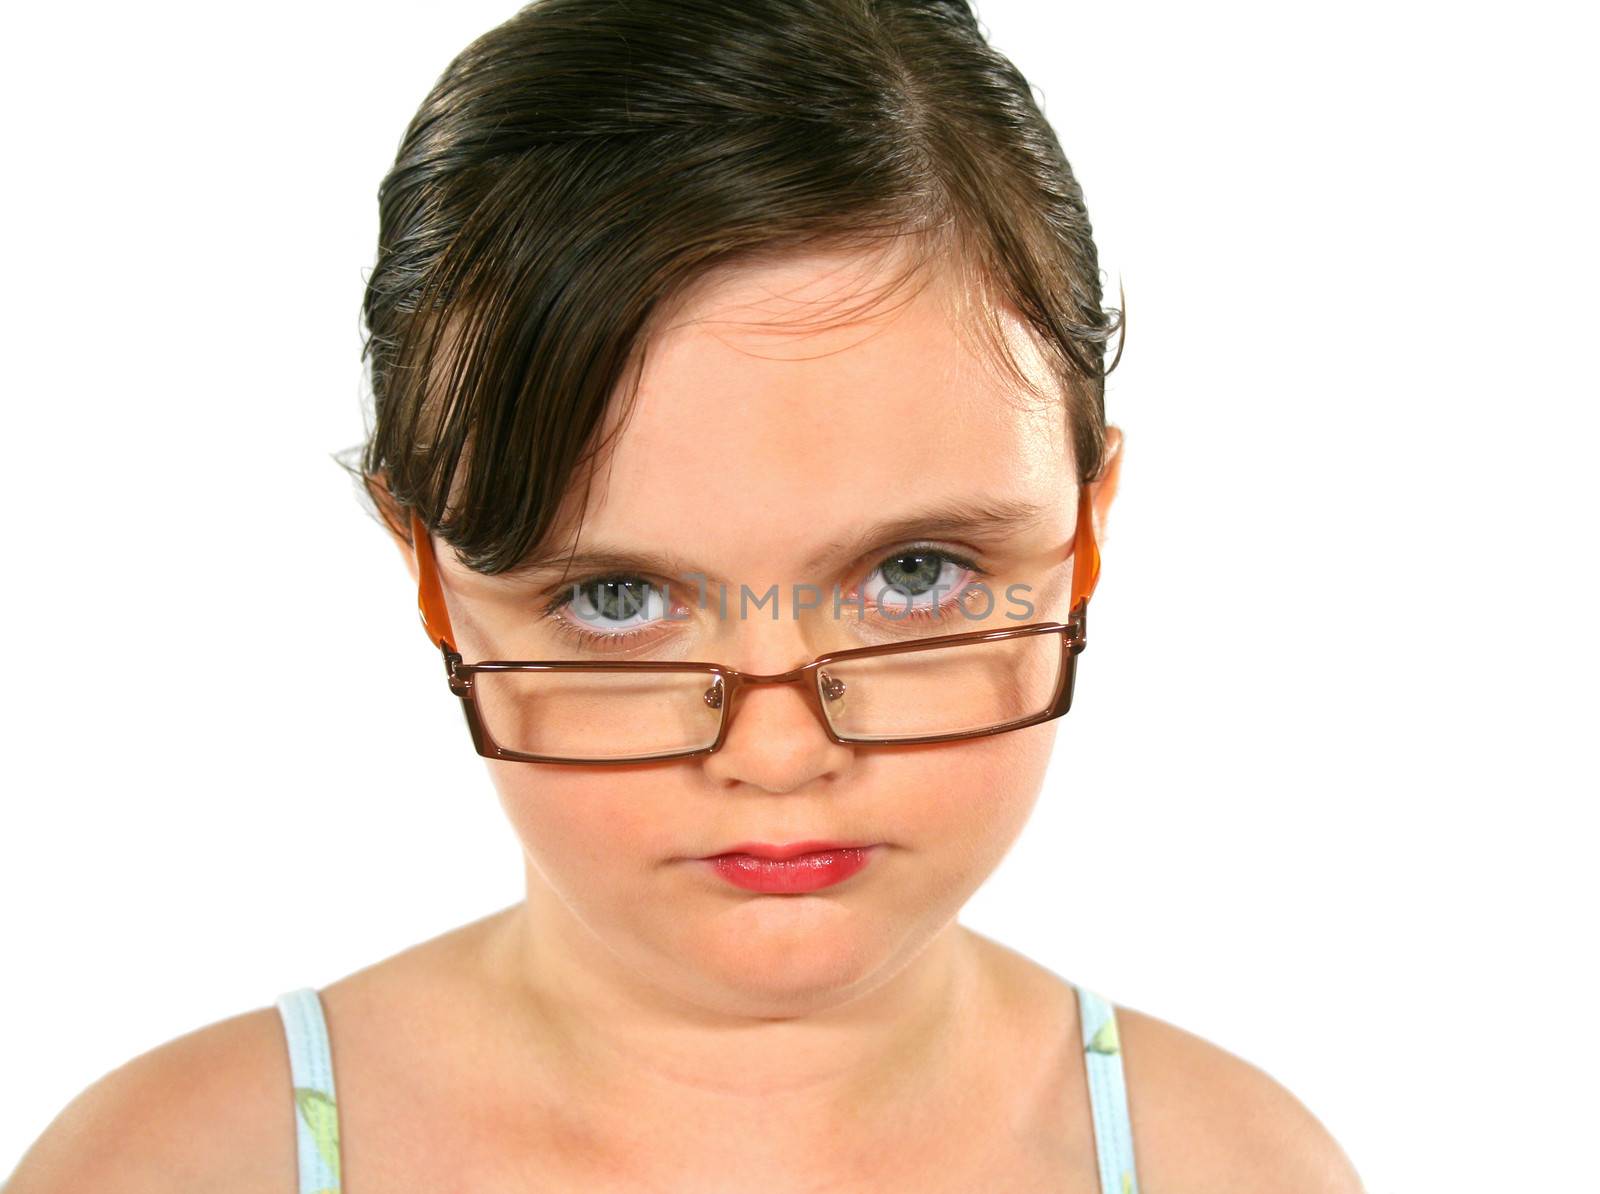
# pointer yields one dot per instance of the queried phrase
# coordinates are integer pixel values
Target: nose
(774, 740)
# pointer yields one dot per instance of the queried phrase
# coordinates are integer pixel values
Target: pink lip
(792, 850)
(792, 869)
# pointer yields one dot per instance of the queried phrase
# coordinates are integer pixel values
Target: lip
(789, 870)
(791, 850)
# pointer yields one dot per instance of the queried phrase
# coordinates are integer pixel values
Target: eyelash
(618, 640)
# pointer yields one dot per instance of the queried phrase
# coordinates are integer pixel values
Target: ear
(396, 520)
(1104, 490)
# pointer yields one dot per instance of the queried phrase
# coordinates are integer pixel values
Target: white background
(1325, 795)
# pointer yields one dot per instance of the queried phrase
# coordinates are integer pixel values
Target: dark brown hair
(577, 167)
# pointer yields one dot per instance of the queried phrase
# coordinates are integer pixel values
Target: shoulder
(207, 1110)
(1206, 1120)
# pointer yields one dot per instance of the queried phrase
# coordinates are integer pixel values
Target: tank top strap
(316, 1113)
(1108, 1093)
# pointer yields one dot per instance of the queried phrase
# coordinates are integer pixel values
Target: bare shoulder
(1206, 1120)
(207, 1110)
(214, 1110)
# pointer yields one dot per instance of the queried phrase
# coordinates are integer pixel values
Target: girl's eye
(610, 605)
(616, 612)
(918, 579)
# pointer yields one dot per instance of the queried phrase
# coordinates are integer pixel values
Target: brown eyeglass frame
(729, 682)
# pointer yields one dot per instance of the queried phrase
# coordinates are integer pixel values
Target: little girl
(738, 370)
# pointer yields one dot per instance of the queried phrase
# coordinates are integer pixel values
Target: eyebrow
(952, 519)
(947, 520)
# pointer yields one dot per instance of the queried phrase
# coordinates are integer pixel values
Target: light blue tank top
(316, 1114)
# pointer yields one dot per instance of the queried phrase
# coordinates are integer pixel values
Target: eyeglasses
(939, 688)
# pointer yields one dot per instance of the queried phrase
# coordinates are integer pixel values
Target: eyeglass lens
(615, 715)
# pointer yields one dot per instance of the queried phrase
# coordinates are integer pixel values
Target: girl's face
(776, 423)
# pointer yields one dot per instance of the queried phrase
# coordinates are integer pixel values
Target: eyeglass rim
(734, 681)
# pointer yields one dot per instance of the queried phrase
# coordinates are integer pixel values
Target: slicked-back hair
(577, 167)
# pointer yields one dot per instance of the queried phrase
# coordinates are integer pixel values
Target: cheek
(974, 799)
(585, 827)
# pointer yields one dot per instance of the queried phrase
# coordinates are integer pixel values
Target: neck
(798, 1068)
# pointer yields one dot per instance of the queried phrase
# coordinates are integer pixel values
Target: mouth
(794, 869)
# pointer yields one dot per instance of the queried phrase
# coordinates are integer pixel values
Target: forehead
(783, 405)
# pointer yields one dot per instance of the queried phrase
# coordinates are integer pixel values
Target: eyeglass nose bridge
(727, 684)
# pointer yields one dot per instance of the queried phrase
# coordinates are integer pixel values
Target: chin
(786, 954)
